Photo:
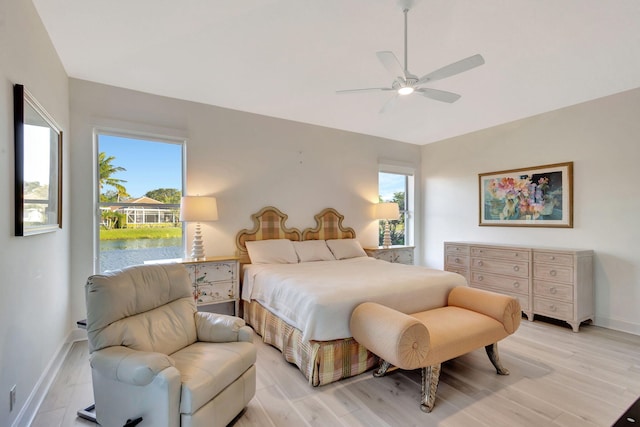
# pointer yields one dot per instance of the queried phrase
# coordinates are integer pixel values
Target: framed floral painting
(540, 196)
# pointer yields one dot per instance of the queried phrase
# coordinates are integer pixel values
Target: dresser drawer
(553, 258)
(452, 248)
(510, 268)
(500, 253)
(395, 256)
(457, 260)
(551, 308)
(208, 272)
(554, 273)
(522, 299)
(502, 283)
(211, 292)
(553, 290)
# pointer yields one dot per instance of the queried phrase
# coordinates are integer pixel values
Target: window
(139, 183)
(397, 187)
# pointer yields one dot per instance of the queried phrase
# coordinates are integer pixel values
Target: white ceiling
(286, 58)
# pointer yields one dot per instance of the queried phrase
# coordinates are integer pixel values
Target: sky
(389, 183)
(149, 164)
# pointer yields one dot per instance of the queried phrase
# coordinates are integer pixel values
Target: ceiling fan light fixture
(405, 83)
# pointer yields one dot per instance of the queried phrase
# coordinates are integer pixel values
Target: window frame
(409, 172)
(129, 134)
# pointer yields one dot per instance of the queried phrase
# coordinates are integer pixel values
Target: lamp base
(197, 250)
(386, 239)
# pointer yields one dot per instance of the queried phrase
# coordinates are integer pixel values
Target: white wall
(602, 138)
(34, 270)
(247, 161)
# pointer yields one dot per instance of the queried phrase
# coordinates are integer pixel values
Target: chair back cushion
(143, 307)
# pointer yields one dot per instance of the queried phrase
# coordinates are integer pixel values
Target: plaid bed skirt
(321, 362)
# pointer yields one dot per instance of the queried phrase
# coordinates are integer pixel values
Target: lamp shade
(387, 210)
(198, 208)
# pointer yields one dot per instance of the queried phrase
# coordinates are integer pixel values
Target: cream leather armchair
(154, 356)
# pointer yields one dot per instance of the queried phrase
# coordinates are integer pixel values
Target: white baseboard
(30, 409)
(618, 325)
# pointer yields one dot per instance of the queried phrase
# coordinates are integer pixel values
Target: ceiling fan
(405, 83)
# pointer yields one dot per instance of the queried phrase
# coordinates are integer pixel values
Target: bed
(301, 303)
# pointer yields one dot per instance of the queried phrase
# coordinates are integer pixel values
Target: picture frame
(539, 196)
(38, 166)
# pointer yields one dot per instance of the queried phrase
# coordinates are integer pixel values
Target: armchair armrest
(503, 308)
(129, 366)
(213, 327)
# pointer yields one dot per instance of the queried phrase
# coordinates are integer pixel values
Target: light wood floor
(558, 378)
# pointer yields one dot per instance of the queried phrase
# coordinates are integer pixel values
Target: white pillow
(273, 251)
(346, 248)
(313, 250)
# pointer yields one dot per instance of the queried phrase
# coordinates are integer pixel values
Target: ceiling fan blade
(389, 104)
(367, 89)
(453, 69)
(438, 95)
(391, 63)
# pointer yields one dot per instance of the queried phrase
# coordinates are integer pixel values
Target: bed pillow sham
(313, 250)
(346, 248)
(273, 251)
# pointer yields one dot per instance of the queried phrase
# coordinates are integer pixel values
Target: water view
(115, 254)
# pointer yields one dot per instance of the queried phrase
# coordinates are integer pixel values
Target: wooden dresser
(556, 283)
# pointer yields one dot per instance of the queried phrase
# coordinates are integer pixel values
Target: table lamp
(387, 211)
(198, 209)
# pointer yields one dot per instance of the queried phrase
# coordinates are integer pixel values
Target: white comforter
(318, 297)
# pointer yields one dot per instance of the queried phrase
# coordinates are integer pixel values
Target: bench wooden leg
(492, 352)
(430, 379)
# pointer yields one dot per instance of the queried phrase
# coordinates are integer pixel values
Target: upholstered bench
(472, 319)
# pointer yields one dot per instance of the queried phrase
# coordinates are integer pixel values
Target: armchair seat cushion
(206, 370)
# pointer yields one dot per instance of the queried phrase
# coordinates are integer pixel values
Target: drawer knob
(458, 260)
(516, 268)
(516, 284)
(553, 273)
(481, 278)
(553, 290)
(517, 254)
(480, 263)
(552, 257)
(553, 308)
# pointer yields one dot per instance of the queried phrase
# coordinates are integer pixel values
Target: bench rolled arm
(129, 366)
(397, 338)
(503, 308)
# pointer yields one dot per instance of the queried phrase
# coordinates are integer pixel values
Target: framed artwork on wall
(540, 196)
(38, 166)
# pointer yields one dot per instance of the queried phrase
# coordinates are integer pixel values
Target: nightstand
(397, 253)
(215, 280)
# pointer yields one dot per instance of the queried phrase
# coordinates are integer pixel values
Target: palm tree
(106, 170)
